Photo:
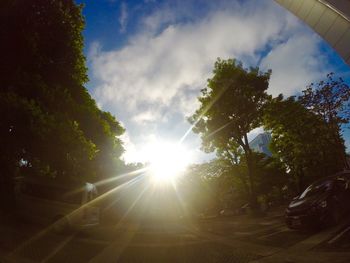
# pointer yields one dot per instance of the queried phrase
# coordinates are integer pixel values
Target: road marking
(261, 250)
(116, 248)
(274, 233)
(57, 249)
(28, 242)
(338, 236)
(276, 227)
(172, 244)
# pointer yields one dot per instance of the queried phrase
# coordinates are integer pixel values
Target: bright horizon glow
(167, 161)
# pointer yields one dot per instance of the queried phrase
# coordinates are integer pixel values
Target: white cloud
(130, 155)
(135, 149)
(162, 68)
(137, 152)
(295, 63)
(123, 18)
(145, 117)
(152, 69)
(159, 18)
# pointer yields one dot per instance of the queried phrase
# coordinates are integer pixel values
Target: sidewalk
(304, 252)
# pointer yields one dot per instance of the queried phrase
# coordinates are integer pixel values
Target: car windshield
(316, 189)
(173, 130)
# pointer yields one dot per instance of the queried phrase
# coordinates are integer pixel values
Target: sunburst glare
(167, 161)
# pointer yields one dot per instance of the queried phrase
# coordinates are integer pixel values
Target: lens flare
(167, 161)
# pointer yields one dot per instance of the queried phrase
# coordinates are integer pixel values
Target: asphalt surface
(230, 239)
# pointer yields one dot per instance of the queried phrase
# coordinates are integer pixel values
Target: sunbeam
(218, 96)
(167, 161)
(79, 210)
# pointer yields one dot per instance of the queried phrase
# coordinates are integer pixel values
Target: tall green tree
(230, 107)
(50, 125)
(329, 99)
(301, 141)
(205, 186)
(219, 184)
(271, 177)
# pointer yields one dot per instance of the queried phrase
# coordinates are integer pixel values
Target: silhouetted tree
(301, 141)
(230, 107)
(329, 99)
(49, 123)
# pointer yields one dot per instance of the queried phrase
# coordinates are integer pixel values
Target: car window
(315, 189)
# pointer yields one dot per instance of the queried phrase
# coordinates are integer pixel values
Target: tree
(219, 184)
(329, 99)
(271, 177)
(230, 107)
(50, 125)
(300, 140)
(207, 187)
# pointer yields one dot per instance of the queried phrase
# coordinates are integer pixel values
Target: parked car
(61, 205)
(323, 203)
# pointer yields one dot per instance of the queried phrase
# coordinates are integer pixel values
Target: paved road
(235, 239)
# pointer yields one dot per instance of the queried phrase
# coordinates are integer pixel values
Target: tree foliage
(207, 187)
(301, 140)
(329, 99)
(219, 184)
(230, 107)
(50, 125)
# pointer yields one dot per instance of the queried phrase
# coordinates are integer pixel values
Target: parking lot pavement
(234, 239)
(319, 247)
(340, 242)
(14, 232)
(268, 231)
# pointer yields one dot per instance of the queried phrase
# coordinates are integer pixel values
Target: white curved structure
(329, 18)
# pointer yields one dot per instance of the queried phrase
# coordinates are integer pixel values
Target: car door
(342, 194)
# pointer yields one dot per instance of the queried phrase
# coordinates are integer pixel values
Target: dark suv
(324, 202)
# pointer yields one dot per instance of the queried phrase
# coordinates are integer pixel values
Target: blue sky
(149, 59)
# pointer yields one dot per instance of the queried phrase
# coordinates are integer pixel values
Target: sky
(148, 60)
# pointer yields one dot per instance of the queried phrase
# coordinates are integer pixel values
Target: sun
(167, 161)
